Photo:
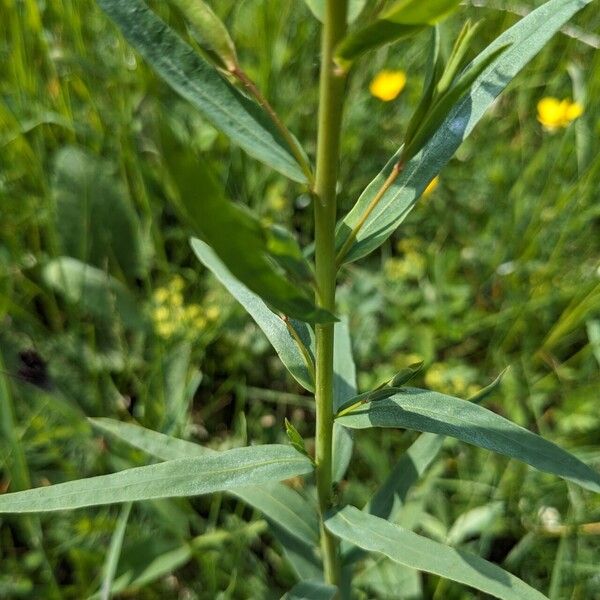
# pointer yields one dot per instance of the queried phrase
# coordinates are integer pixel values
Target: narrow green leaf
(278, 502)
(423, 410)
(114, 552)
(92, 290)
(344, 387)
(526, 39)
(295, 438)
(238, 237)
(418, 552)
(391, 495)
(272, 325)
(200, 83)
(311, 590)
(373, 36)
(209, 31)
(253, 465)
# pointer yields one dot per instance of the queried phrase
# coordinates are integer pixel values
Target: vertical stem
(331, 99)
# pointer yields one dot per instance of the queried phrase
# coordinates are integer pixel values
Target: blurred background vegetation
(499, 265)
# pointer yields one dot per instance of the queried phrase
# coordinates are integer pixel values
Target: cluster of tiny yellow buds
(450, 380)
(554, 114)
(172, 317)
(387, 85)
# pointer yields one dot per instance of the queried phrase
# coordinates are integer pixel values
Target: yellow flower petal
(387, 85)
(554, 113)
(574, 111)
(550, 112)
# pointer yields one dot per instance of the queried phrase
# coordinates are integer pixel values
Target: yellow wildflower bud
(387, 85)
(212, 313)
(160, 295)
(554, 113)
(431, 186)
(161, 314)
(176, 284)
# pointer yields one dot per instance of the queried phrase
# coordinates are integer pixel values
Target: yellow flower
(431, 186)
(554, 113)
(387, 85)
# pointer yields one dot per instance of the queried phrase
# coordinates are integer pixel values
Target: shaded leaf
(526, 39)
(200, 83)
(418, 552)
(237, 237)
(209, 31)
(253, 465)
(95, 220)
(92, 290)
(424, 410)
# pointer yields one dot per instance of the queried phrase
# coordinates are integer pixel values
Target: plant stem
(331, 100)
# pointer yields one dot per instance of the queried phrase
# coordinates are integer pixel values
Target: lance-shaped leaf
(210, 32)
(273, 326)
(278, 502)
(400, 20)
(423, 410)
(344, 387)
(199, 82)
(526, 39)
(238, 238)
(418, 552)
(241, 467)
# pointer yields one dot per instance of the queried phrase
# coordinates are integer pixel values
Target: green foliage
(177, 478)
(418, 552)
(199, 83)
(96, 274)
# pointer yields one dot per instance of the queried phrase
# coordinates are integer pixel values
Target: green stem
(331, 100)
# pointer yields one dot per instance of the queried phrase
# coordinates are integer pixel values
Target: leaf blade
(277, 502)
(424, 410)
(418, 552)
(198, 82)
(272, 325)
(240, 467)
(526, 37)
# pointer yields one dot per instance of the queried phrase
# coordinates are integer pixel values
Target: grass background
(498, 266)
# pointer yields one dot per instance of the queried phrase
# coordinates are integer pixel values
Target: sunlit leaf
(278, 502)
(526, 39)
(423, 410)
(200, 83)
(418, 552)
(241, 467)
(273, 326)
